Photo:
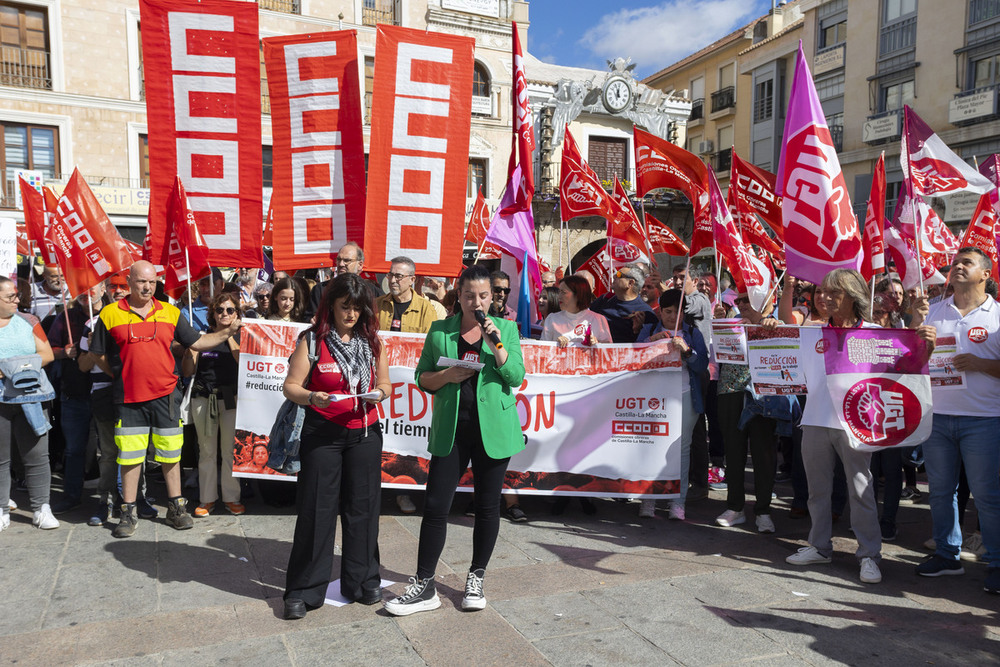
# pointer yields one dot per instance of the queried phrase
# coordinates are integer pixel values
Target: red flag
(755, 189)
(134, 249)
(580, 190)
(523, 141)
(750, 228)
(932, 167)
(936, 238)
(319, 186)
(202, 73)
(88, 247)
(268, 236)
(663, 239)
(597, 266)
(873, 241)
(37, 218)
(903, 252)
(479, 225)
(630, 241)
(419, 159)
(749, 274)
(981, 232)
(23, 246)
(183, 236)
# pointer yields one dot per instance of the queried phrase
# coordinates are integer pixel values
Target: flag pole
(775, 288)
(680, 306)
(187, 263)
(871, 310)
(69, 331)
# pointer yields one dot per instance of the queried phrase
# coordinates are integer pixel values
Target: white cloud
(659, 36)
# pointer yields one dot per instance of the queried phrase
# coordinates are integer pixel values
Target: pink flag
(931, 166)
(874, 232)
(821, 232)
(514, 233)
(990, 168)
(524, 132)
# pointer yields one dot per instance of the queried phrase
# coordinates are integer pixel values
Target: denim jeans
(976, 442)
(76, 431)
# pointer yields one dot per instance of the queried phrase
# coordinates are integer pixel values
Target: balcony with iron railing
(379, 11)
(697, 110)
(8, 196)
(837, 135)
(286, 6)
(25, 68)
(724, 99)
(897, 36)
(607, 176)
(983, 10)
(723, 161)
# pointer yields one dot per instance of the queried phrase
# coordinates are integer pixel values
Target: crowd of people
(95, 387)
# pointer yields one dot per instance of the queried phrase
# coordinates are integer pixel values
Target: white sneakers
(44, 519)
(765, 524)
(647, 509)
(4, 520)
(731, 518)
(808, 556)
(676, 512)
(870, 574)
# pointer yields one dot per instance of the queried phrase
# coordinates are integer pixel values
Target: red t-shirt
(328, 378)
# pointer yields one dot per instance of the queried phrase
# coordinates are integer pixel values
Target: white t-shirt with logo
(977, 333)
(574, 326)
(819, 410)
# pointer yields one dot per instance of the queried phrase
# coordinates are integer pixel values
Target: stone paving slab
(563, 590)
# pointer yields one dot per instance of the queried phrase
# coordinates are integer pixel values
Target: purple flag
(514, 233)
(821, 231)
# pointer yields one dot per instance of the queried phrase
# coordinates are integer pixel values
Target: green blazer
(498, 420)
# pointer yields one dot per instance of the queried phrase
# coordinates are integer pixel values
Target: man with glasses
(132, 343)
(623, 308)
(402, 309)
(350, 259)
(500, 282)
(198, 317)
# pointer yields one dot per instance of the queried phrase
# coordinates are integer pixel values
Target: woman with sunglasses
(213, 408)
(341, 449)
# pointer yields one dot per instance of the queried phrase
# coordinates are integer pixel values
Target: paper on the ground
(334, 598)
(344, 397)
(461, 363)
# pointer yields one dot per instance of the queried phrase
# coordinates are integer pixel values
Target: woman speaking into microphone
(475, 421)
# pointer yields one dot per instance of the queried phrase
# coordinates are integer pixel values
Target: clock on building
(617, 94)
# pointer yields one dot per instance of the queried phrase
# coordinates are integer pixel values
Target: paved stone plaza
(569, 590)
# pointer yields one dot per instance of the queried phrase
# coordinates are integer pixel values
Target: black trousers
(442, 480)
(341, 476)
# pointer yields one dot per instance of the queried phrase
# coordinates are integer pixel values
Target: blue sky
(587, 33)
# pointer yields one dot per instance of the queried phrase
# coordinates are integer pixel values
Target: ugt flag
(880, 384)
(821, 232)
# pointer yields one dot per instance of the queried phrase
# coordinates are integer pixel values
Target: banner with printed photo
(880, 384)
(602, 421)
(944, 375)
(775, 366)
(318, 203)
(201, 60)
(421, 120)
(729, 341)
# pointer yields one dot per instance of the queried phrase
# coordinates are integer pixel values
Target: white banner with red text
(602, 421)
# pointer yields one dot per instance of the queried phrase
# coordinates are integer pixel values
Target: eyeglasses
(501, 290)
(10, 298)
(141, 339)
(400, 276)
(622, 274)
(344, 260)
(227, 311)
(741, 299)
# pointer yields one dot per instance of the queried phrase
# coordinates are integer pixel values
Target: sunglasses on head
(227, 311)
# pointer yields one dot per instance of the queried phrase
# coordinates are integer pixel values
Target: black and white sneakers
(420, 595)
(474, 599)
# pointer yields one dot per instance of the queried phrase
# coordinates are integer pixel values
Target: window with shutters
(34, 147)
(374, 12)
(24, 47)
(369, 87)
(608, 158)
(477, 178)
(482, 105)
(265, 95)
(143, 160)
(267, 160)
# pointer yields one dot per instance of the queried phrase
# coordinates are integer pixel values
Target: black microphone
(481, 318)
